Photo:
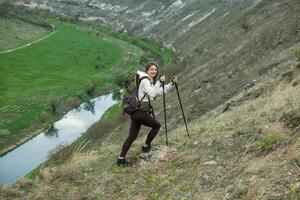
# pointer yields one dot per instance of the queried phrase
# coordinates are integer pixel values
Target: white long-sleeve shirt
(147, 87)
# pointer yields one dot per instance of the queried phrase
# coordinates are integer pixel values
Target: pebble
(209, 163)
(297, 186)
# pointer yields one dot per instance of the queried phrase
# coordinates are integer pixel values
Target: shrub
(60, 154)
(90, 88)
(4, 132)
(116, 95)
(54, 103)
(269, 142)
(45, 117)
(119, 80)
(73, 102)
(134, 41)
(80, 94)
(97, 66)
(144, 60)
(246, 26)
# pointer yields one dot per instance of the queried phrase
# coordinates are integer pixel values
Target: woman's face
(152, 71)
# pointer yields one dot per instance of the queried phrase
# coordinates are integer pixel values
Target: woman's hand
(162, 78)
(174, 80)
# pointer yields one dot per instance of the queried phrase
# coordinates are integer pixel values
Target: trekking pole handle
(174, 80)
(164, 77)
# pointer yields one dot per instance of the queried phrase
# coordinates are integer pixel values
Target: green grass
(78, 60)
(55, 65)
(59, 66)
(34, 172)
(154, 49)
(270, 141)
(15, 33)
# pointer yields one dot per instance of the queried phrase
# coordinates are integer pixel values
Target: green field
(60, 66)
(70, 64)
(15, 32)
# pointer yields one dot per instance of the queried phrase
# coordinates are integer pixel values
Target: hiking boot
(146, 149)
(122, 162)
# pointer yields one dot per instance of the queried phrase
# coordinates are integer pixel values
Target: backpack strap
(138, 85)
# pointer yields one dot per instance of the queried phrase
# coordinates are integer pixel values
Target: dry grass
(241, 171)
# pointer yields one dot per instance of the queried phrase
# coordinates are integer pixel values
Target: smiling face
(152, 71)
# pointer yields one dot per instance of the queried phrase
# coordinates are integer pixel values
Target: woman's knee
(157, 125)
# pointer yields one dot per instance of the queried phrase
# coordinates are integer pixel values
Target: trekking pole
(164, 101)
(182, 109)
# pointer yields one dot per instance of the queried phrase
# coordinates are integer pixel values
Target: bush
(80, 94)
(119, 80)
(246, 26)
(90, 88)
(116, 95)
(73, 102)
(269, 142)
(144, 60)
(97, 66)
(45, 117)
(4, 132)
(60, 154)
(54, 103)
(134, 41)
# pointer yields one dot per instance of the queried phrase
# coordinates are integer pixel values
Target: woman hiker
(151, 87)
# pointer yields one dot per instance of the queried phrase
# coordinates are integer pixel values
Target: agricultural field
(15, 33)
(64, 63)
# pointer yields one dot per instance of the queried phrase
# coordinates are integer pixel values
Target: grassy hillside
(47, 77)
(69, 63)
(240, 91)
(247, 151)
(15, 33)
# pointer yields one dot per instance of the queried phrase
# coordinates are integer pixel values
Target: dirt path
(29, 44)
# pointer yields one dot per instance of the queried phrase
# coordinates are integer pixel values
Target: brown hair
(147, 68)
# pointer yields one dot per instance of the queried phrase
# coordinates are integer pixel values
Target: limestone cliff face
(228, 44)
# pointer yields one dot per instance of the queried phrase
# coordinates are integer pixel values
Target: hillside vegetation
(54, 68)
(248, 151)
(240, 90)
(52, 64)
(15, 33)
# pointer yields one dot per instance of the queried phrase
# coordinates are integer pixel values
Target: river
(22, 160)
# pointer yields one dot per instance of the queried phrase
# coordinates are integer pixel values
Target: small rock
(206, 177)
(250, 84)
(197, 91)
(227, 195)
(209, 163)
(297, 187)
(208, 80)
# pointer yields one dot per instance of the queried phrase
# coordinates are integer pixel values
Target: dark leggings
(137, 119)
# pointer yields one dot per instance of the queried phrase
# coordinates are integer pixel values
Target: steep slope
(240, 91)
(250, 151)
(226, 44)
